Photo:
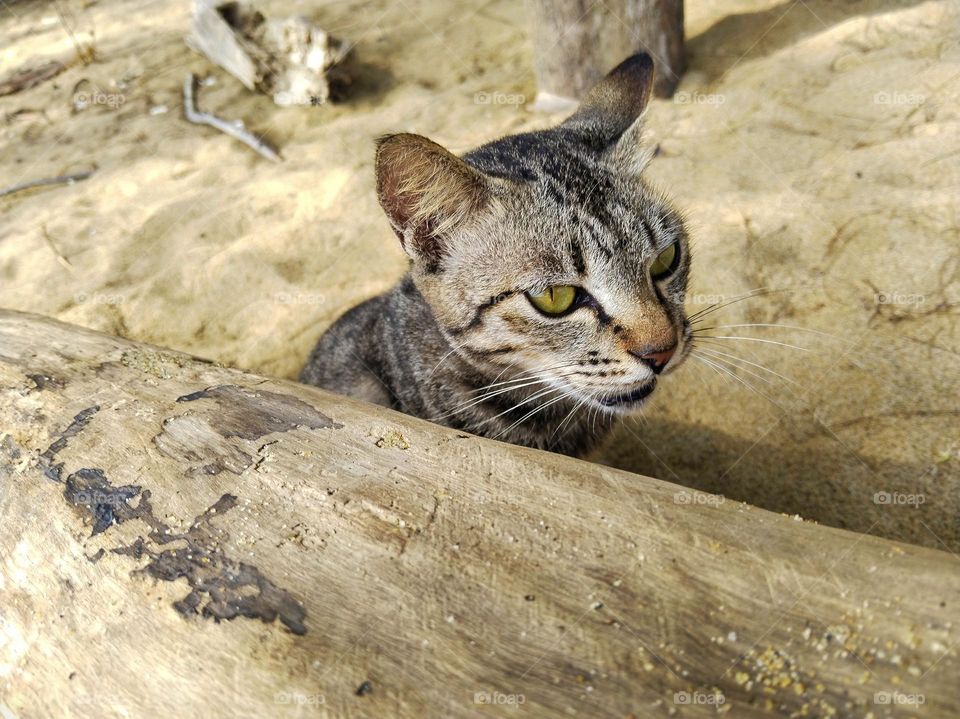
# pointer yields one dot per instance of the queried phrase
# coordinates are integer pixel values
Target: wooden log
(577, 42)
(185, 539)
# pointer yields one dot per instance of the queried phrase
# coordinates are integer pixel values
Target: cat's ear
(426, 192)
(615, 103)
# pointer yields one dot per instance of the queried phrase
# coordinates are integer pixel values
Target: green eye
(554, 300)
(665, 262)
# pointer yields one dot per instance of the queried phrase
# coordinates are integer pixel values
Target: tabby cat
(546, 286)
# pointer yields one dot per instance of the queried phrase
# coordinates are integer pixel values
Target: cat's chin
(625, 402)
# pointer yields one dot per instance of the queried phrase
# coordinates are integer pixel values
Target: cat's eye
(554, 300)
(665, 263)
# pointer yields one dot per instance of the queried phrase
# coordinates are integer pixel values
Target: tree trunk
(184, 539)
(576, 42)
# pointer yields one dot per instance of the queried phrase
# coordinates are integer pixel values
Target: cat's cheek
(449, 306)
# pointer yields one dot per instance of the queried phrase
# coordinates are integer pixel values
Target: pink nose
(658, 360)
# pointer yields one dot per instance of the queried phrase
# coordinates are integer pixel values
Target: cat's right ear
(426, 192)
(615, 103)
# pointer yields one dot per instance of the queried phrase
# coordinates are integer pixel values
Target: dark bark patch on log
(45, 381)
(251, 414)
(10, 449)
(80, 421)
(89, 489)
(230, 588)
(191, 440)
(205, 439)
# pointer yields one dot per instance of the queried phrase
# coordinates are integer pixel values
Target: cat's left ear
(615, 104)
(426, 192)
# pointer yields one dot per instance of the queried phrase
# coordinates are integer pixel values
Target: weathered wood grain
(184, 539)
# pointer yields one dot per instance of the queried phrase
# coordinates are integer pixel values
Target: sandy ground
(814, 144)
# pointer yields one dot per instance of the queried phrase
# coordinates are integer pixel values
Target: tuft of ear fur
(426, 192)
(614, 103)
(632, 152)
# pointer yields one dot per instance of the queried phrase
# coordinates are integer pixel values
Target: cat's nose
(655, 360)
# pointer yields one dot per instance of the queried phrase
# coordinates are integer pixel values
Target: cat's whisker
(577, 406)
(478, 400)
(708, 364)
(739, 379)
(828, 336)
(642, 417)
(527, 383)
(765, 380)
(525, 376)
(760, 292)
(597, 410)
(700, 374)
(505, 369)
(775, 325)
(753, 339)
(502, 387)
(532, 412)
(736, 368)
(715, 352)
(719, 369)
(597, 413)
(755, 292)
(531, 398)
(444, 358)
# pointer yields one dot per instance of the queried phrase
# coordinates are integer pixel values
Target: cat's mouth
(625, 398)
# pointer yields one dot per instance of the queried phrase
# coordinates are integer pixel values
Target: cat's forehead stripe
(577, 185)
(576, 252)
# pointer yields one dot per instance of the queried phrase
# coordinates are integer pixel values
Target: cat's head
(547, 252)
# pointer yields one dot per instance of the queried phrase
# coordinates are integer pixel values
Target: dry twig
(29, 77)
(64, 262)
(205, 118)
(60, 180)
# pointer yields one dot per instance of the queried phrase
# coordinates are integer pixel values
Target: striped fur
(458, 342)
